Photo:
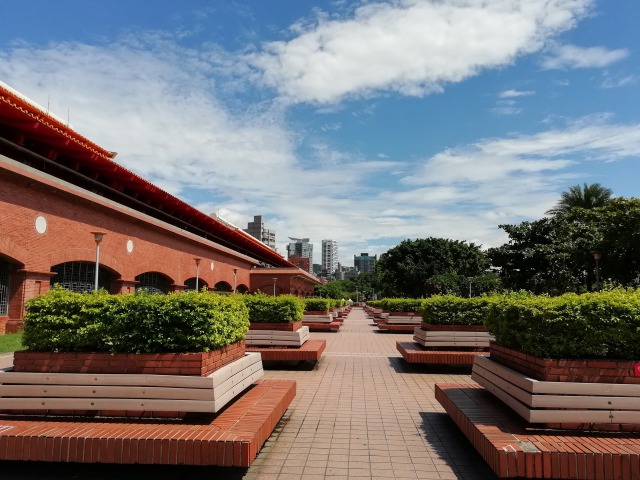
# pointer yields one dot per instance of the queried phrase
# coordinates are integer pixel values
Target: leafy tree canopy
(587, 196)
(406, 270)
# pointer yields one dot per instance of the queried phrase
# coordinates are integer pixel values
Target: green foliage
(400, 304)
(588, 196)
(318, 304)
(10, 342)
(404, 271)
(555, 255)
(452, 310)
(63, 321)
(593, 325)
(269, 309)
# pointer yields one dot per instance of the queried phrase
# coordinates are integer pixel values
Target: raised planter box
(581, 370)
(282, 326)
(199, 364)
(463, 328)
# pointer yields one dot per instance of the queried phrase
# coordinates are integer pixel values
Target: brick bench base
(323, 327)
(415, 353)
(231, 438)
(311, 351)
(512, 448)
(396, 327)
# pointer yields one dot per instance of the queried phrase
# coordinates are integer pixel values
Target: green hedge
(269, 309)
(318, 304)
(63, 321)
(452, 310)
(604, 324)
(401, 304)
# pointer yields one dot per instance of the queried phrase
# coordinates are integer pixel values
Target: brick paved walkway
(361, 413)
(364, 413)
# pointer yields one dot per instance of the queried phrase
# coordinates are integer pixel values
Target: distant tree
(587, 196)
(405, 270)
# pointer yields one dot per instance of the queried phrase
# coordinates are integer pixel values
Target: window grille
(80, 276)
(5, 277)
(190, 284)
(153, 282)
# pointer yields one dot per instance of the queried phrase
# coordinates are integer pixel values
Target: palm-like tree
(587, 196)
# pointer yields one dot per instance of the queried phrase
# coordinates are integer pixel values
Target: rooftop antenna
(67, 117)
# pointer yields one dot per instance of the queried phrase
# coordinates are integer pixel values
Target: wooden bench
(559, 402)
(128, 392)
(452, 338)
(277, 337)
(328, 318)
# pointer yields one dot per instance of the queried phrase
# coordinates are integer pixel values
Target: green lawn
(10, 342)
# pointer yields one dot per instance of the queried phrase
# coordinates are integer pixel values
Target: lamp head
(98, 236)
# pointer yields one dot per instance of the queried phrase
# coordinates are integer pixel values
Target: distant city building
(317, 269)
(302, 248)
(301, 262)
(329, 256)
(365, 263)
(256, 230)
(346, 273)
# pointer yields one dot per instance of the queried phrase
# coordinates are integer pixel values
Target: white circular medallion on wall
(129, 246)
(211, 265)
(41, 224)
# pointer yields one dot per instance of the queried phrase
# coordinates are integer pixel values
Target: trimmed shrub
(318, 304)
(593, 325)
(63, 321)
(452, 310)
(268, 309)
(401, 304)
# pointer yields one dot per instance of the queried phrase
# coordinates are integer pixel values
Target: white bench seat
(404, 319)
(317, 318)
(559, 402)
(452, 338)
(131, 392)
(277, 337)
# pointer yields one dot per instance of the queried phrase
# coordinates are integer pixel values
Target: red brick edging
(201, 363)
(280, 326)
(413, 352)
(572, 370)
(310, 351)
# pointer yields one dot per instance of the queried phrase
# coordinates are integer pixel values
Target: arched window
(5, 278)
(223, 287)
(190, 284)
(152, 282)
(80, 276)
(242, 288)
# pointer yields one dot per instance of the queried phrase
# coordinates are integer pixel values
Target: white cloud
(413, 47)
(515, 93)
(617, 81)
(565, 57)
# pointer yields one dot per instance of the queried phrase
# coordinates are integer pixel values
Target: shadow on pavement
(399, 365)
(95, 471)
(452, 446)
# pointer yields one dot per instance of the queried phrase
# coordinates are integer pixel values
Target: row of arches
(80, 277)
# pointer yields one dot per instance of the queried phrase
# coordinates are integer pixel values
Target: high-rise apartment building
(365, 263)
(329, 256)
(303, 248)
(256, 230)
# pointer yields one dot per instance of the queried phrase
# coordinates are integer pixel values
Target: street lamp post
(274, 286)
(197, 260)
(470, 282)
(597, 256)
(235, 273)
(97, 237)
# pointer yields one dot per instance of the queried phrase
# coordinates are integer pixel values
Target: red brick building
(57, 188)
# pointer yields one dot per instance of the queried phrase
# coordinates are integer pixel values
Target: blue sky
(362, 122)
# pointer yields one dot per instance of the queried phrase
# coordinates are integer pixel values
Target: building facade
(364, 262)
(257, 230)
(302, 248)
(329, 257)
(60, 193)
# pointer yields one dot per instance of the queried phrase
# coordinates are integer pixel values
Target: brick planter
(573, 370)
(318, 312)
(280, 326)
(197, 364)
(402, 314)
(458, 328)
